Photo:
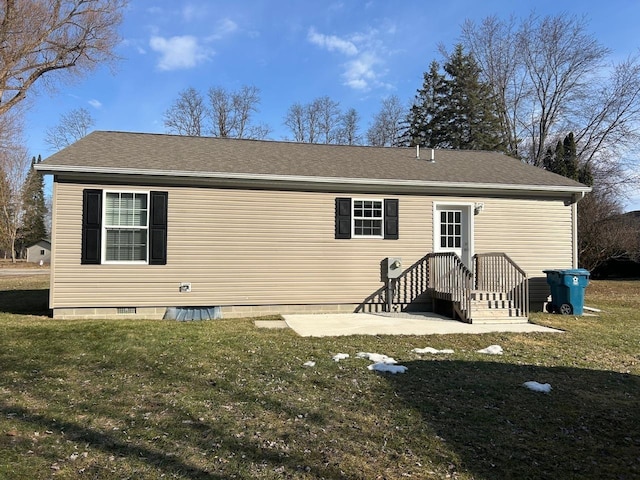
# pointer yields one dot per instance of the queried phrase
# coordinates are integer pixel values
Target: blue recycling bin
(567, 290)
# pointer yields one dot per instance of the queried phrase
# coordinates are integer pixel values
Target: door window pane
(451, 229)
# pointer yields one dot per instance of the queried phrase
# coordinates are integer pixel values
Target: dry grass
(5, 264)
(222, 399)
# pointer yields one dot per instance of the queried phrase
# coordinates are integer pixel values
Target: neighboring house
(39, 252)
(146, 222)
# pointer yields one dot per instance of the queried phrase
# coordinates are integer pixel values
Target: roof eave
(272, 180)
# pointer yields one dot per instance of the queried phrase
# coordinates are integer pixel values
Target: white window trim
(353, 217)
(103, 243)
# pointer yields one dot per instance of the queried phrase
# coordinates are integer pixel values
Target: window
(450, 228)
(125, 227)
(42, 252)
(367, 218)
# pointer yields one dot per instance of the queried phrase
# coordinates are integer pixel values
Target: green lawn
(222, 399)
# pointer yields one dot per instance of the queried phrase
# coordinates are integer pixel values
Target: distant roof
(42, 240)
(218, 159)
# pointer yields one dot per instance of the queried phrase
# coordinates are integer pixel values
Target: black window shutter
(91, 226)
(391, 219)
(158, 228)
(343, 218)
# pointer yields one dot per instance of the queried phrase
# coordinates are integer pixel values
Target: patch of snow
(431, 350)
(310, 363)
(376, 357)
(537, 387)
(340, 356)
(385, 367)
(492, 350)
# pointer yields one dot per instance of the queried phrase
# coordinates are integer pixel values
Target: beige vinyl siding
(237, 247)
(252, 247)
(536, 234)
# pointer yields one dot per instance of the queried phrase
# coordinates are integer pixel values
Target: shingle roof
(149, 154)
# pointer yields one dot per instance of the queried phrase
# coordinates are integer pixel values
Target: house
(39, 252)
(144, 224)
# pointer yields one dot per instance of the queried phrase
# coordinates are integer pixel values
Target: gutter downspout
(574, 227)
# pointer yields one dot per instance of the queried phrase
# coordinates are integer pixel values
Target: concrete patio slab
(330, 325)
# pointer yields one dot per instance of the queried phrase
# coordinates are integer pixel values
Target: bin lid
(570, 271)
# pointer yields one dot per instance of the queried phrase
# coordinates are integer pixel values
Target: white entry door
(452, 230)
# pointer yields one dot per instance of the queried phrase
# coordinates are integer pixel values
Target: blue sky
(355, 52)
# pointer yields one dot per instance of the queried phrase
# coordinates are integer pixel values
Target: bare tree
(387, 124)
(312, 117)
(329, 118)
(561, 61)
(44, 39)
(348, 128)
(14, 165)
(314, 122)
(548, 77)
(245, 103)
(231, 113)
(494, 46)
(221, 112)
(295, 119)
(608, 119)
(226, 114)
(71, 128)
(187, 114)
(603, 232)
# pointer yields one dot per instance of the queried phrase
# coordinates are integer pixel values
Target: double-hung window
(360, 218)
(367, 218)
(126, 227)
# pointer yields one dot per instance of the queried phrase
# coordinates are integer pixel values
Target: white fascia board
(290, 180)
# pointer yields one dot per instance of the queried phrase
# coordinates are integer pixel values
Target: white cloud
(180, 52)
(155, 10)
(331, 42)
(189, 12)
(95, 103)
(223, 28)
(135, 44)
(366, 53)
(360, 73)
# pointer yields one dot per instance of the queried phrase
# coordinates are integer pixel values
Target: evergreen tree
(548, 161)
(420, 131)
(455, 109)
(33, 224)
(585, 175)
(559, 164)
(564, 161)
(570, 157)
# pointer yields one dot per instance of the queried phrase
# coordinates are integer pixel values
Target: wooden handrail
(498, 272)
(450, 279)
(446, 277)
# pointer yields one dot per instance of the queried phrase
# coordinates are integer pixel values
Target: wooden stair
(493, 307)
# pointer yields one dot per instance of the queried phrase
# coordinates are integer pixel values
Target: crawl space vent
(126, 310)
(184, 314)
